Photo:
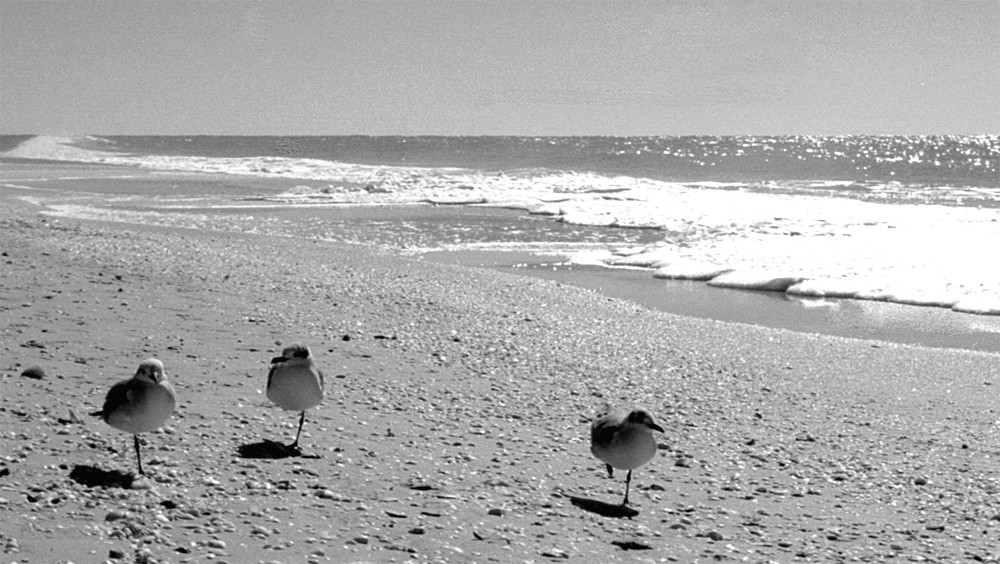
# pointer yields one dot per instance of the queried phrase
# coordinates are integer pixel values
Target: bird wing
(118, 395)
(321, 387)
(603, 431)
(270, 373)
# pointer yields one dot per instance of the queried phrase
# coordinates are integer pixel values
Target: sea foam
(785, 239)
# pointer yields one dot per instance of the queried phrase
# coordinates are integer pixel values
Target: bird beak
(655, 427)
(278, 359)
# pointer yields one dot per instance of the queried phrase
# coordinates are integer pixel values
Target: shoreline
(863, 318)
(458, 408)
(853, 318)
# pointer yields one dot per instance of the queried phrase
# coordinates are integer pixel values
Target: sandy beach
(456, 421)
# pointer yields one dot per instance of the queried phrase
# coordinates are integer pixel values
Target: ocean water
(913, 220)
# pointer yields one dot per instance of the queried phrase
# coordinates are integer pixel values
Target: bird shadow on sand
(94, 477)
(603, 509)
(271, 449)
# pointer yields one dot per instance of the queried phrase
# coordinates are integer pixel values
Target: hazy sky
(532, 67)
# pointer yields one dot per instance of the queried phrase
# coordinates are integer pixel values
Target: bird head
(642, 417)
(151, 370)
(293, 351)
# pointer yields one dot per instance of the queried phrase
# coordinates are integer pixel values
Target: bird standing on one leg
(624, 441)
(294, 383)
(140, 404)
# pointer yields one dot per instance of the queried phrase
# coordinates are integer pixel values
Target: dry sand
(455, 426)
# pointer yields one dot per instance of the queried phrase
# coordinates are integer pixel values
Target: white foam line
(116, 177)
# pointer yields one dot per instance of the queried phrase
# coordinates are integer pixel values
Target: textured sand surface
(456, 422)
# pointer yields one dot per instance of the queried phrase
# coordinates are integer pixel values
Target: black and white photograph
(508, 281)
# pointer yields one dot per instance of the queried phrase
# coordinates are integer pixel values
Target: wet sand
(455, 426)
(860, 319)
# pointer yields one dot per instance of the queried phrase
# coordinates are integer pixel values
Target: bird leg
(302, 418)
(628, 480)
(611, 471)
(138, 459)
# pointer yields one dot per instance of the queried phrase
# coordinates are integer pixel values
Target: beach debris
(555, 553)
(35, 372)
(631, 545)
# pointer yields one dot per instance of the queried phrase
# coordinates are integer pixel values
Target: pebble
(34, 372)
(115, 515)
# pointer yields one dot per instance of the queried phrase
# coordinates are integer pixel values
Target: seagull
(624, 441)
(294, 383)
(140, 404)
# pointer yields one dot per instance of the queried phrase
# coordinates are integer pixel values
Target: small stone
(417, 531)
(715, 535)
(115, 515)
(115, 554)
(215, 543)
(140, 484)
(555, 553)
(495, 511)
(34, 372)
